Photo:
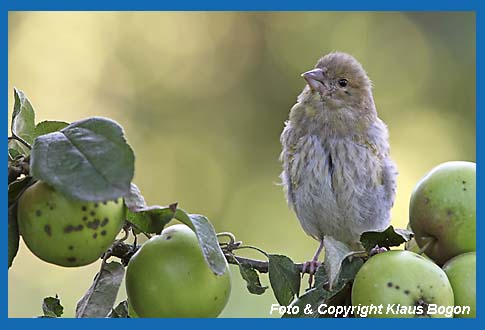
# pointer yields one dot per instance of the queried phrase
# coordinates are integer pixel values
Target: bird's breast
(331, 182)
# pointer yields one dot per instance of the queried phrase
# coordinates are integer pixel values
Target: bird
(338, 176)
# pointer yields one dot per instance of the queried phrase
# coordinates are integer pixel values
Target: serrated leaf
(98, 301)
(252, 279)
(151, 219)
(207, 238)
(284, 277)
(49, 126)
(134, 200)
(335, 253)
(387, 238)
(51, 306)
(13, 234)
(87, 160)
(120, 311)
(17, 187)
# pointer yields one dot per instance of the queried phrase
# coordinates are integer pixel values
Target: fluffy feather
(337, 172)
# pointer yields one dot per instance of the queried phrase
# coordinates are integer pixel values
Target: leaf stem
(259, 265)
(231, 236)
(252, 248)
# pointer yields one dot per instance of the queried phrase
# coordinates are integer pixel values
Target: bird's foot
(376, 250)
(310, 268)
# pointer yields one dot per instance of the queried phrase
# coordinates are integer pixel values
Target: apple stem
(429, 241)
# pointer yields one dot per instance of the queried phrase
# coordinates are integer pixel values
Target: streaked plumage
(337, 172)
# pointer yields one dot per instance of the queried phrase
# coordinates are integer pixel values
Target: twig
(122, 251)
(259, 265)
(17, 168)
(126, 251)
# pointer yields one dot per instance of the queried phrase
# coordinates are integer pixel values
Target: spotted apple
(442, 211)
(169, 277)
(67, 232)
(405, 284)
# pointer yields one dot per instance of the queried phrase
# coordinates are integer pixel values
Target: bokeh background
(203, 98)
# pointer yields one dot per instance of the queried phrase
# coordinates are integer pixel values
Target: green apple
(169, 277)
(442, 211)
(64, 231)
(405, 284)
(461, 271)
(131, 312)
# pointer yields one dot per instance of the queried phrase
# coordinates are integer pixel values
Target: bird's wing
(286, 158)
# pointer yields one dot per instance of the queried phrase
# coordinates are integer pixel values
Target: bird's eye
(343, 82)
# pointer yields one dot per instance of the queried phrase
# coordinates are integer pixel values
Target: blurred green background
(203, 98)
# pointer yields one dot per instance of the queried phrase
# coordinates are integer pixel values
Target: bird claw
(310, 267)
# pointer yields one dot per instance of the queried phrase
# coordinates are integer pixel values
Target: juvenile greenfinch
(337, 172)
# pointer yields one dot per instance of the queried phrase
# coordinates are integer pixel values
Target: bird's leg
(310, 267)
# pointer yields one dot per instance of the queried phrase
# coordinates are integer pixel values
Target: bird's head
(340, 80)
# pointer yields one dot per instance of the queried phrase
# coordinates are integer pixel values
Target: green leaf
(339, 295)
(17, 187)
(335, 253)
(252, 279)
(151, 219)
(23, 117)
(100, 297)
(13, 234)
(13, 152)
(321, 277)
(48, 126)
(120, 311)
(87, 160)
(23, 124)
(387, 238)
(340, 298)
(350, 267)
(312, 299)
(284, 277)
(207, 240)
(51, 306)
(134, 200)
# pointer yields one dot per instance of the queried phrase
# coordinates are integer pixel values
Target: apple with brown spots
(405, 284)
(442, 211)
(67, 232)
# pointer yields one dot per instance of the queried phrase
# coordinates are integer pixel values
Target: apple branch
(125, 251)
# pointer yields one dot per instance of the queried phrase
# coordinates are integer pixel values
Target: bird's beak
(315, 80)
